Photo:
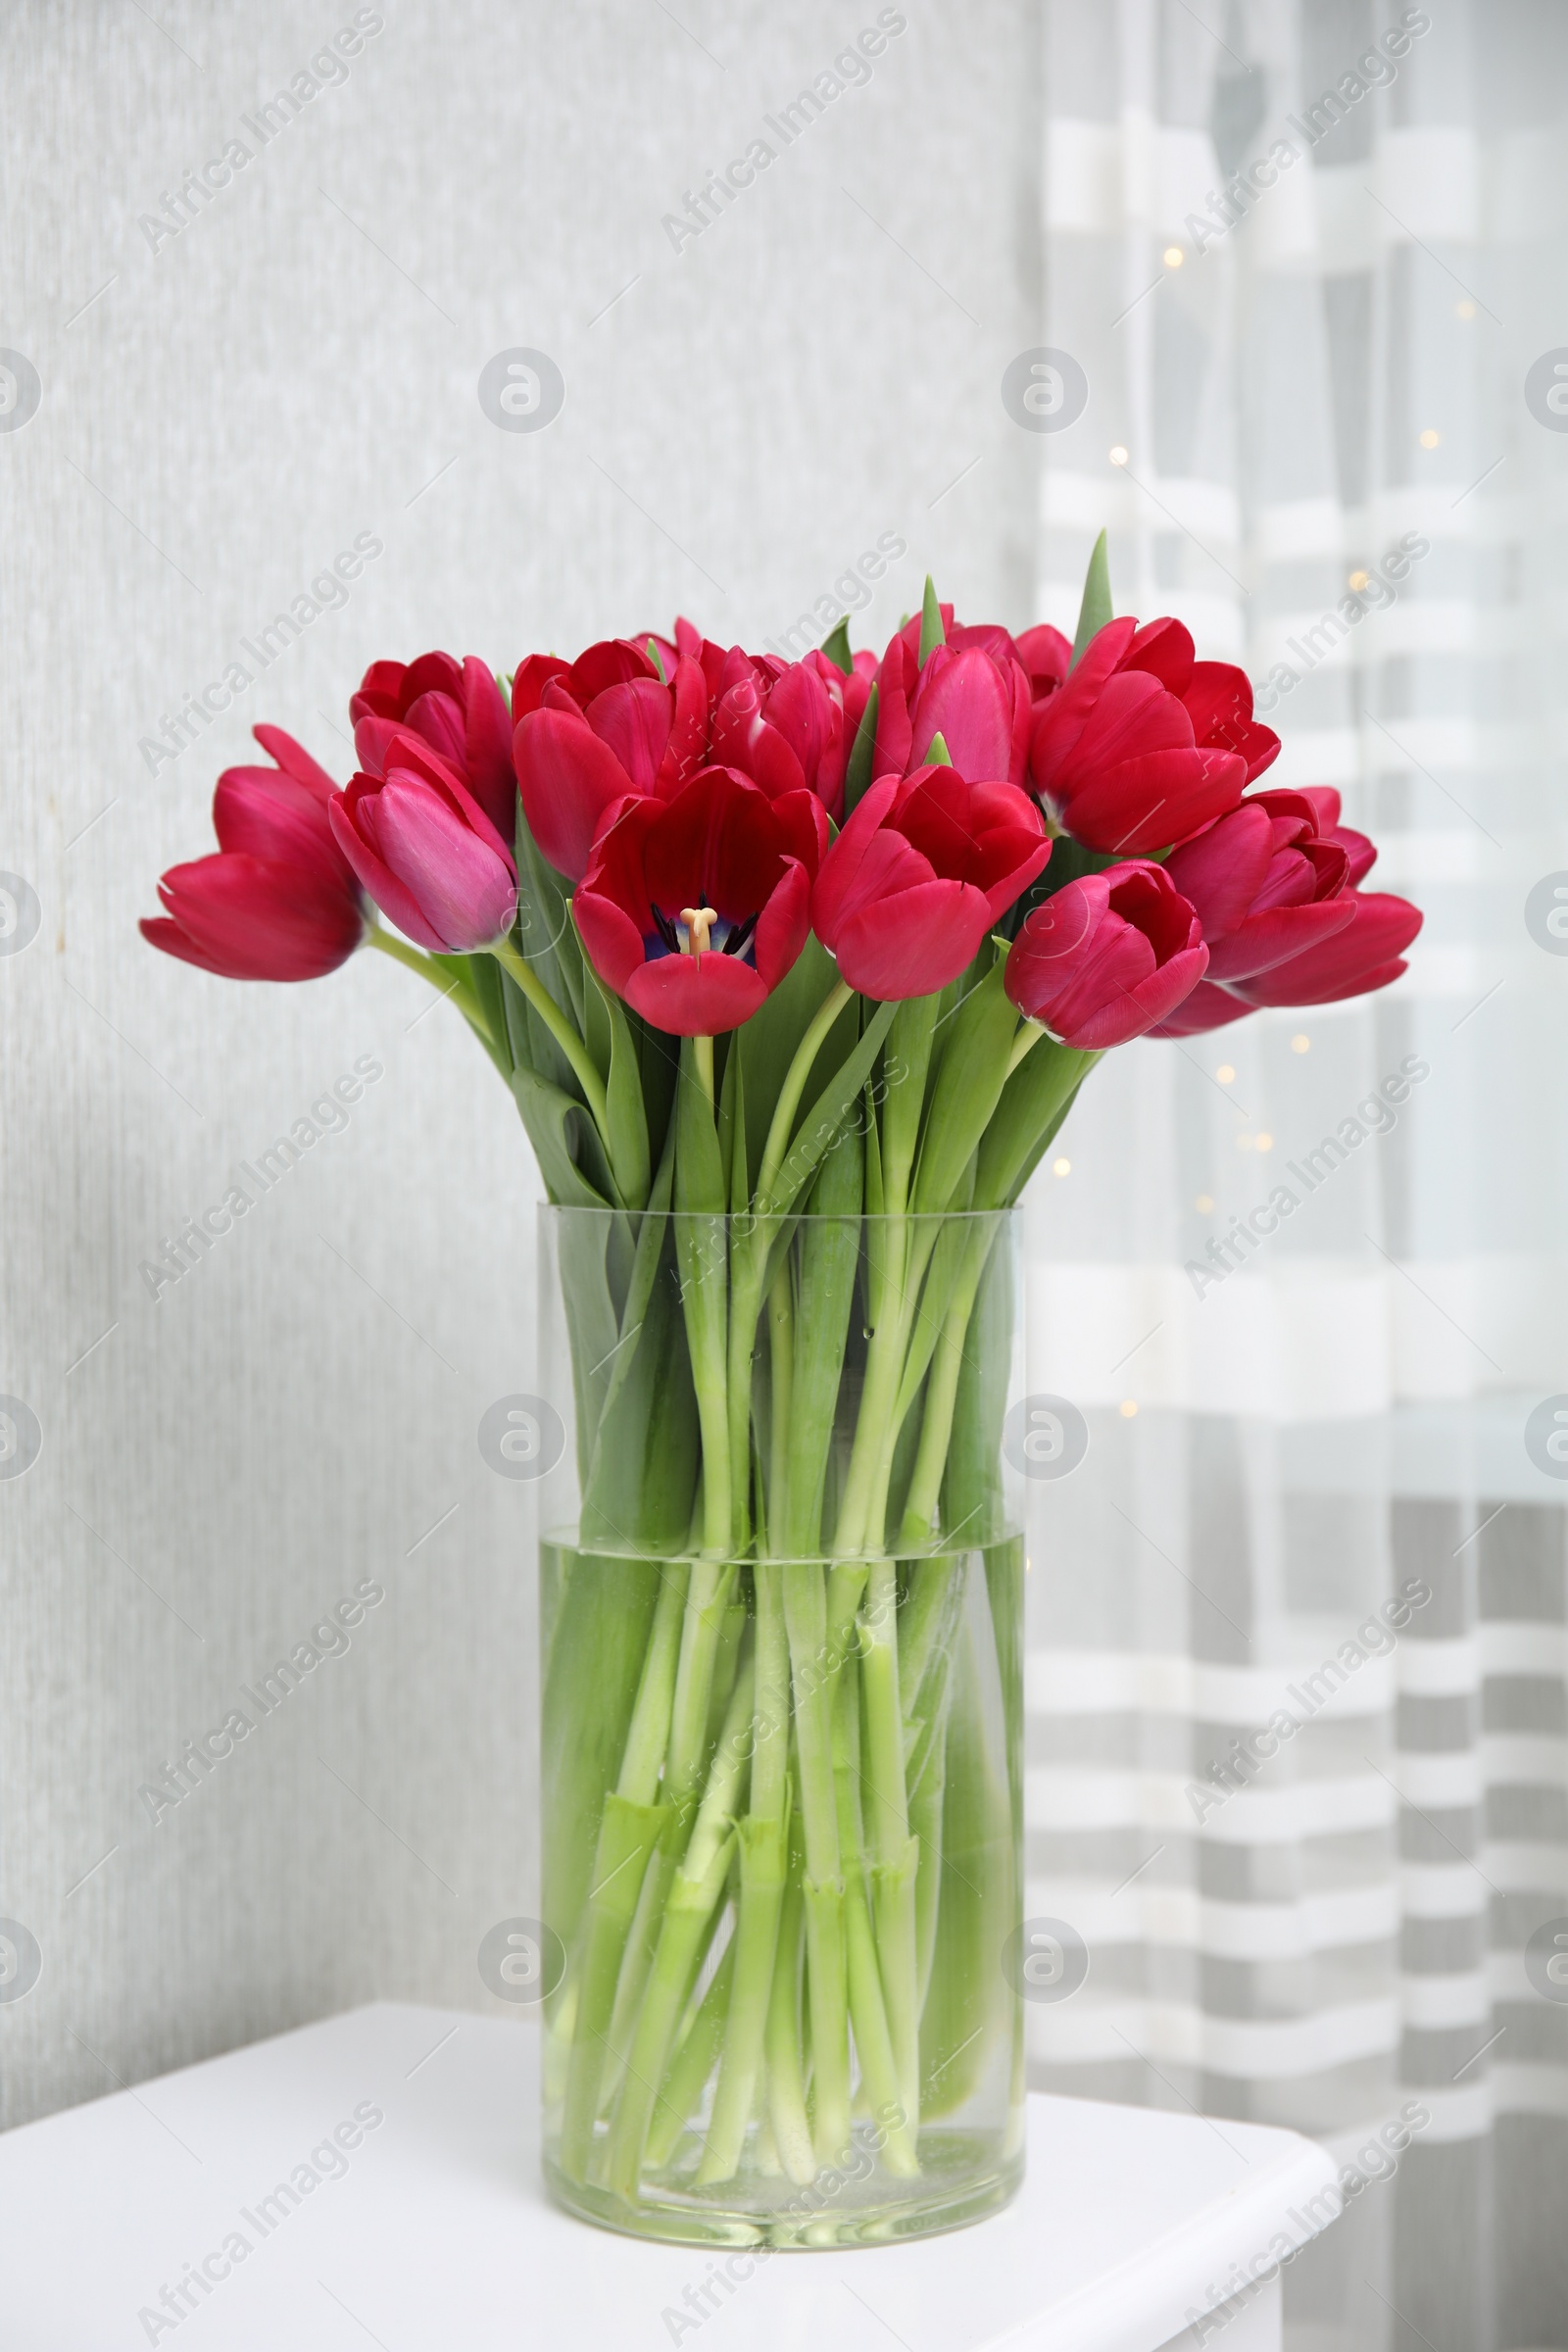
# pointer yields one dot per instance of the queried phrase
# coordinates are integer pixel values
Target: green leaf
(1095, 610)
(829, 1264)
(905, 1068)
(827, 1115)
(969, 1082)
(1043, 1143)
(556, 1122)
(658, 660)
(1035, 1098)
(937, 752)
(658, 1058)
(623, 1091)
(643, 1473)
(932, 633)
(652, 1236)
(548, 937)
(768, 1042)
(478, 997)
(836, 645)
(858, 775)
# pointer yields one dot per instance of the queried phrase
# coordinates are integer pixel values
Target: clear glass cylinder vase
(781, 1619)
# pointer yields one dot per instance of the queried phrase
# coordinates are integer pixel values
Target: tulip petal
(264, 814)
(296, 762)
(633, 721)
(1207, 1008)
(466, 893)
(782, 924)
(487, 724)
(567, 780)
(250, 920)
(837, 878)
(696, 995)
(913, 946)
(1363, 955)
(377, 877)
(1277, 934)
(439, 720)
(964, 699)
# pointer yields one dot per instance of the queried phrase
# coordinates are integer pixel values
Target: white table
(435, 2235)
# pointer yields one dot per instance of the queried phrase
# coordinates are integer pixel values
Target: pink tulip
(1266, 885)
(460, 713)
(972, 691)
(1106, 957)
(426, 852)
(1368, 954)
(1360, 949)
(278, 901)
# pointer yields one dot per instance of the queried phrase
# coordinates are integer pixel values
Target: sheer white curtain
(1307, 427)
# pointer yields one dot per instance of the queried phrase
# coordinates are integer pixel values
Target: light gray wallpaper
(221, 411)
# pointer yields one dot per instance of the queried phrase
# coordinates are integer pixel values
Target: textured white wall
(217, 422)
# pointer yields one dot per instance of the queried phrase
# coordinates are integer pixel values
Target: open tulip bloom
(793, 971)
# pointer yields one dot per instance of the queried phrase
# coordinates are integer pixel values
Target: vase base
(963, 2176)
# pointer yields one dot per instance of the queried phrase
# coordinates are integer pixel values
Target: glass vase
(781, 1618)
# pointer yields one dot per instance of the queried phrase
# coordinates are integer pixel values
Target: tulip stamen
(699, 922)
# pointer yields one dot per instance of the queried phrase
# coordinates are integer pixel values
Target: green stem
(707, 1609)
(649, 1734)
(691, 2065)
(897, 1853)
(631, 1827)
(699, 1883)
(560, 1029)
(1029, 1035)
(794, 1086)
(702, 1055)
(415, 960)
(781, 1363)
(764, 1867)
(765, 1862)
(806, 1618)
(786, 2079)
(881, 2073)
(942, 1388)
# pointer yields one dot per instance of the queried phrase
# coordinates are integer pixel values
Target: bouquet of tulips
(794, 970)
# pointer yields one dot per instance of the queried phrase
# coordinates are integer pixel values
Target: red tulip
(1207, 1008)
(426, 852)
(591, 731)
(1324, 801)
(783, 724)
(688, 644)
(693, 909)
(1046, 655)
(1141, 746)
(1106, 957)
(459, 710)
(922, 870)
(278, 901)
(1265, 883)
(972, 691)
(1368, 954)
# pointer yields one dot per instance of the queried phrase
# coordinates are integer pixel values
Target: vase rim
(788, 1217)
